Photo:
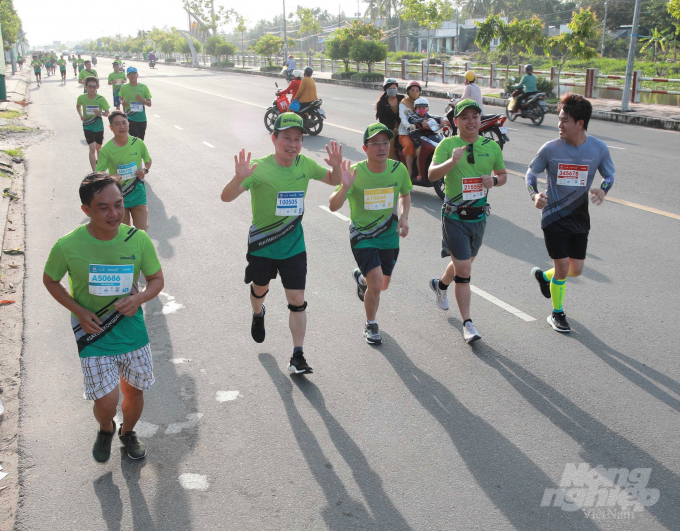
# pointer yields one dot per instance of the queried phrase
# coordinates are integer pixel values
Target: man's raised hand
(348, 175)
(334, 154)
(243, 167)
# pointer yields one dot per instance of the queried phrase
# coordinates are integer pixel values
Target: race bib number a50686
(572, 174)
(290, 203)
(110, 280)
(473, 188)
(379, 198)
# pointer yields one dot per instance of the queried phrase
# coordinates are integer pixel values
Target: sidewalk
(16, 88)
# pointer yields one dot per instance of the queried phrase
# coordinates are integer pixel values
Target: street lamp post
(604, 27)
(285, 35)
(631, 58)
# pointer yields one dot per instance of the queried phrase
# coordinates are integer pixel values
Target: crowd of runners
(105, 257)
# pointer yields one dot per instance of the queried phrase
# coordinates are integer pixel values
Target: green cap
(375, 129)
(467, 104)
(288, 120)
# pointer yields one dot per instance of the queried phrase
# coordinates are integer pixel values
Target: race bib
(379, 198)
(136, 106)
(290, 203)
(572, 175)
(110, 280)
(89, 109)
(119, 81)
(473, 188)
(127, 171)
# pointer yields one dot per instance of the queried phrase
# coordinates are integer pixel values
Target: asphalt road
(421, 433)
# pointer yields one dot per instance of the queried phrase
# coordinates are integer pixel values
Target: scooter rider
(528, 81)
(307, 91)
(406, 108)
(294, 85)
(290, 65)
(152, 57)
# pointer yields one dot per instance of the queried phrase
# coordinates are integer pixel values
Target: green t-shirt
(92, 122)
(80, 63)
(529, 83)
(118, 81)
(374, 205)
(135, 110)
(74, 61)
(99, 274)
(463, 182)
(277, 197)
(62, 65)
(87, 73)
(37, 65)
(125, 161)
(20, 59)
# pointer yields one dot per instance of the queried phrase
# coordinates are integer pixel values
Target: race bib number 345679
(110, 280)
(290, 203)
(572, 174)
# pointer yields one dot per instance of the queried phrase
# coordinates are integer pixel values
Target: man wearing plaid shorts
(103, 260)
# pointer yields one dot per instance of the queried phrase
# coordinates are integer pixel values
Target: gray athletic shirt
(571, 171)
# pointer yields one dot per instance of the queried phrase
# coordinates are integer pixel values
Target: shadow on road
(599, 444)
(507, 476)
(341, 512)
(161, 227)
(109, 498)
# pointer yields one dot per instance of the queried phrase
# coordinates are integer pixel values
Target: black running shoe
(101, 450)
(537, 273)
(298, 364)
(257, 328)
(361, 288)
(559, 322)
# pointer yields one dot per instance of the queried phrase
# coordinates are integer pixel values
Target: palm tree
(371, 10)
(657, 38)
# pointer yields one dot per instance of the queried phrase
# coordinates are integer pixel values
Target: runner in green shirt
(278, 186)
(127, 157)
(103, 260)
(466, 162)
(37, 69)
(80, 62)
(20, 60)
(62, 68)
(91, 107)
(378, 190)
(74, 62)
(135, 98)
(117, 79)
(86, 72)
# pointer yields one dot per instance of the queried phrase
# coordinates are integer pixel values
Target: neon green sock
(547, 275)
(557, 289)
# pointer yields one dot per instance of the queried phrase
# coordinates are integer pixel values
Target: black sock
(259, 314)
(443, 286)
(467, 320)
(297, 350)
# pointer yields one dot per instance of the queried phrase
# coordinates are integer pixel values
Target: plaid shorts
(101, 374)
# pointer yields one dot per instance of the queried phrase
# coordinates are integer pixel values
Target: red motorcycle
(493, 126)
(311, 113)
(428, 135)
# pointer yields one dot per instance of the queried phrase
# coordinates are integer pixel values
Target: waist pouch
(468, 213)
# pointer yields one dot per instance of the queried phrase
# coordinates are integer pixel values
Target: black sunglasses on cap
(471, 155)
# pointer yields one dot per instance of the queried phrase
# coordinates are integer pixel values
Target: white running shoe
(470, 333)
(442, 295)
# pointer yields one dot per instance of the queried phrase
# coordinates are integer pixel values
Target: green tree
(212, 18)
(211, 44)
(268, 46)
(225, 49)
(514, 37)
(573, 44)
(11, 23)
(368, 52)
(656, 39)
(241, 28)
(673, 8)
(339, 45)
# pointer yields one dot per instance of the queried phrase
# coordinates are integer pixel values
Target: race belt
(467, 213)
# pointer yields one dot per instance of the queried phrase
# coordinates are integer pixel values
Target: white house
(444, 39)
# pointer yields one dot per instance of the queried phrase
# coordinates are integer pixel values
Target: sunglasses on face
(471, 155)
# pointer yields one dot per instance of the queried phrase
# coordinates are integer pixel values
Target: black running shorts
(137, 129)
(565, 244)
(94, 136)
(368, 258)
(260, 270)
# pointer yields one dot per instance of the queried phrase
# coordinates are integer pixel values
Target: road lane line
(156, 116)
(336, 214)
(178, 127)
(209, 145)
(514, 311)
(622, 202)
(614, 147)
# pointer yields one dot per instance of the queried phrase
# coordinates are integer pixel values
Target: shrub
(269, 68)
(343, 75)
(398, 56)
(222, 64)
(367, 77)
(171, 60)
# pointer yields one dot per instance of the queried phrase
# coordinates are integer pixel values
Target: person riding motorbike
(471, 92)
(94, 59)
(290, 65)
(152, 56)
(294, 85)
(307, 91)
(406, 108)
(528, 81)
(387, 109)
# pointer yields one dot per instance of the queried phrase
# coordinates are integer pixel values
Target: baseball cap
(288, 120)
(467, 104)
(375, 129)
(131, 69)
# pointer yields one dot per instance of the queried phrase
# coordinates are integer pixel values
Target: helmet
(413, 84)
(390, 81)
(290, 56)
(470, 76)
(308, 71)
(529, 69)
(421, 101)
(297, 73)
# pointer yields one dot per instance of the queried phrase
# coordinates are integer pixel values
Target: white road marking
(339, 99)
(178, 127)
(336, 214)
(512, 129)
(171, 306)
(193, 481)
(614, 147)
(226, 396)
(209, 145)
(144, 429)
(177, 427)
(501, 304)
(179, 361)
(156, 116)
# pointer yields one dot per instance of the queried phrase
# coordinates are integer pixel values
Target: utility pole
(604, 27)
(631, 58)
(285, 35)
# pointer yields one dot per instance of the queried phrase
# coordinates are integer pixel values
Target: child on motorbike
(422, 117)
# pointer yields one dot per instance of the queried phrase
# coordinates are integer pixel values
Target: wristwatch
(145, 170)
(495, 180)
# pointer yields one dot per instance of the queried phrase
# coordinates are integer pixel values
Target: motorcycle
(152, 63)
(493, 125)
(534, 108)
(311, 113)
(428, 134)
